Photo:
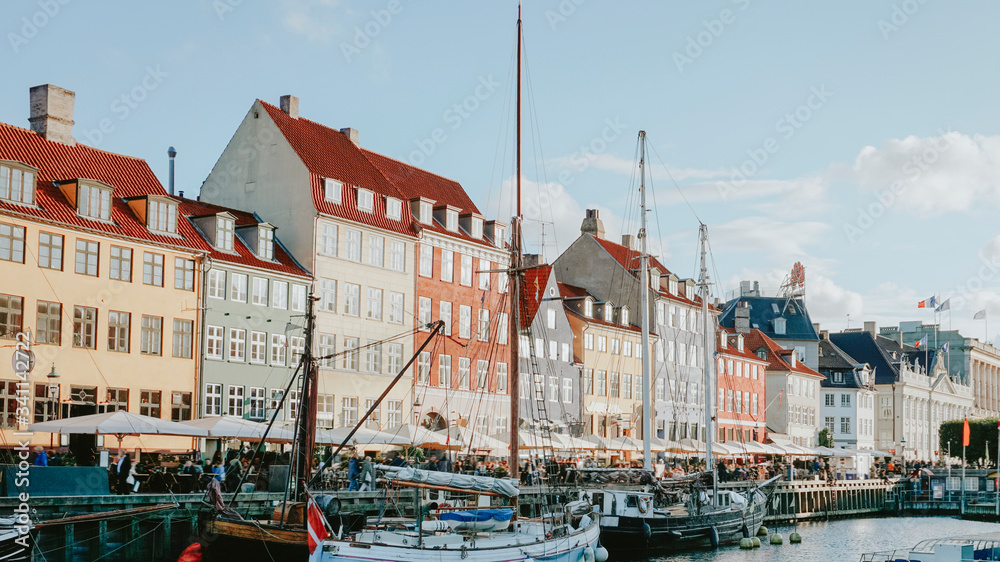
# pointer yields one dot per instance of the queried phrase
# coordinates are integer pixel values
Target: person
(397, 460)
(353, 472)
(367, 475)
(41, 459)
(122, 469)
(234, 473)
(444, 465)
(218, 470)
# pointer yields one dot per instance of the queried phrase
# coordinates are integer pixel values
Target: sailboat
(476, 531)
(633, 523)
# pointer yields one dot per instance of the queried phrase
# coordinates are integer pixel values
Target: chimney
(628, 240)
(290, 105)
(870, 328)
(756, 289)
(52, 113)
(171, 154)
(351, 134)
(531, 260)
(592, 224)
(824, 335)
(816, 327)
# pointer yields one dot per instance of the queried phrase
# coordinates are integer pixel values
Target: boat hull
(250, 540)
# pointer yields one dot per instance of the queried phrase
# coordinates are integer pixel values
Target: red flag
(966, 433)
(315, 525)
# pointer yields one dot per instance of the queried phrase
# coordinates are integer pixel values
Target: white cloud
(316, 20)
(581, 161)
(828, 303)
(933, 175)
(780, 241)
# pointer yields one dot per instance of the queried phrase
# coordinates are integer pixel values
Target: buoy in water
(794, 538)
(601, 554)
(776, 538)
(756, 542)
(746, 544)
(762, 532)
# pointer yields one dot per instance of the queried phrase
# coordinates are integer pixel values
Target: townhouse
(742, 389)
(784, 319)
(848, 405)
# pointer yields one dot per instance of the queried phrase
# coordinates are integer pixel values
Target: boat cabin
(622, 503)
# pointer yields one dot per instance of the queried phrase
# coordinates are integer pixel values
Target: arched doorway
(434, 421)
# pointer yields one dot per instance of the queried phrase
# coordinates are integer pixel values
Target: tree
(825, 438)
(982, 435)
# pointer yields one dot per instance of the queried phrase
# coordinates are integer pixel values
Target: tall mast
(306, 428)
(707, 337)
(647, 461)
(515, 284)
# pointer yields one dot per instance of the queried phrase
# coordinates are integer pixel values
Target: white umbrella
(364, 436)
(472, 440)
(418, 435)
(119, 423)
(239, 428)
(598, 441)
(625, 443)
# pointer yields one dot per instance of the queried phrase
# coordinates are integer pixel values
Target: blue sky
(859, 137)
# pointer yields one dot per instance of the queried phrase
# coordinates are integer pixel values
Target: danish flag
(315, 524)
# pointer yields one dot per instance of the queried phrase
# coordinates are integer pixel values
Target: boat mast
(647, 461)
(515, 284)
(707, 337)
(306, 427)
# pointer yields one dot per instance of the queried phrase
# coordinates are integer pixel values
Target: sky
(857, 137)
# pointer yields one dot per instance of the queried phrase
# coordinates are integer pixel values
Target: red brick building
(741, 400)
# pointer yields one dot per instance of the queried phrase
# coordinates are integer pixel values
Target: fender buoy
(191, 554)
(713, 535)
(647, 531)
(587, 555)
(762, 531)
(601, 554)
(794, 538)
(746, 544)
(776, 538)
(645, 503)
(756, 542)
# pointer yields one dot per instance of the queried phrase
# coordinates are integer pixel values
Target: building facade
(741, 413)
(784, 319)
(847, 408)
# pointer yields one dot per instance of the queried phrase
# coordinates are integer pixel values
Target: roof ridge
(78, 143)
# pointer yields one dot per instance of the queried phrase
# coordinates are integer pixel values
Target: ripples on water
(844, 540)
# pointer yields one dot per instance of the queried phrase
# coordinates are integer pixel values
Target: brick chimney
(870, 328)
(290, 105)
(628, 240)
(531, 260)
(351, 134)
(592, 224)
(52, 113)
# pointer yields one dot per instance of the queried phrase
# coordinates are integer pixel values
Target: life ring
(443, 505)
(645, 504)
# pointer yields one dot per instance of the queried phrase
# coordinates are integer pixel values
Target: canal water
(843, 540)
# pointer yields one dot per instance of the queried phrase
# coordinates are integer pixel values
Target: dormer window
(762, 353)
(393, 208)
(739, 342)
(588, 308)
(265, 243)
(94, 201)
(673, 287)
(477, 228)
(608, 311)
(426, 213)
(689, 292)
(624, 316)
(161, 216)
(17, 183)
(366, 200)
(224, 228)
(332, 190)
(779, 326)
(451, 220)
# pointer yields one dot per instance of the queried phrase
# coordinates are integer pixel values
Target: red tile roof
(328, 153)
(572, 291)
(535, 281)
(731, 349)
(755, 339)
(601, 322)
(629, 259)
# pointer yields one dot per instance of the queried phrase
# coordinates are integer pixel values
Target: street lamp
(902, 450)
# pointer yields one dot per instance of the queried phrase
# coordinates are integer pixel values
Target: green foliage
(412, 453)
(982, 434)
(825, 438)
(500, 472)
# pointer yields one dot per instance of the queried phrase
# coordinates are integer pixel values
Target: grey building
(783, 319)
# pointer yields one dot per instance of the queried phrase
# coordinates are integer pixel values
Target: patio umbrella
(625, 443)
(466, 438)
(417, 435)
(597, 441)
(239, 428)
(754, 447)
(688, 445)
(119, 423)
(363, 436)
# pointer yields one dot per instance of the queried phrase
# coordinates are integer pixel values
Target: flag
(315, 525)
(946, 305)
(944, 348)
(981, 315)
(921, 342)
(929, 303)
(966, 433)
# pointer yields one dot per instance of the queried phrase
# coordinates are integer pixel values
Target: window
(626, 386)
(213, 342)
(84, 322)
(374, 304)
(265, 243)
(501, 378)
(602, 383)
(152, 335)
(238, 288)
(447, 266)
(553, 350)
(503, 330)
(602, 343)
(627, 348)
(660, 388)
(444, 309)
(260, 290)
(351, 354)
(278, 349)
(327, 348)
(118, 331)
(373, 420)
(224, 228)
(502, 283)
(152, 269)
(328, 239)
(394, 358)
(256, 403)
(466, 270)
(216, 281)
(293, 404)
(149, 403)
(328, 295)
(615, 345)
(830, 423)
(393, 413)
(276, 400)
(180, 406)
(444, 370)
(828, 398)
(366, 200)
(46, 403)
(349, 411)
(352, 249)
(279, 295)
(397, 256)
(484, 324)
(482, 374)
(608, 311)
(426, 260)
(424, 311)
(299, 298)
(464, 371)
(753, 404)
(588, 381)
(484, 275)
(87, 254)
(352, 299)
(50, 249)
(121, 266)
(297, 346)
(845, 425)
(325, 405)
(117, 399)
(845, 400)
(237, 344)
(94, 202)
(234, 401)
(613, 390)
(588, 341)
(393, 210)
(162, 216)
(184, 274)
(48, 322)
(332, 190)
(396, 308)
(739, 402)
(425, 213)
(258, 347)
(376, 249)
(424, 368)
(729, 400)
(373, 357)
(17, 185)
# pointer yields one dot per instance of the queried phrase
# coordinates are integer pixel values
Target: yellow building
(99, 268)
